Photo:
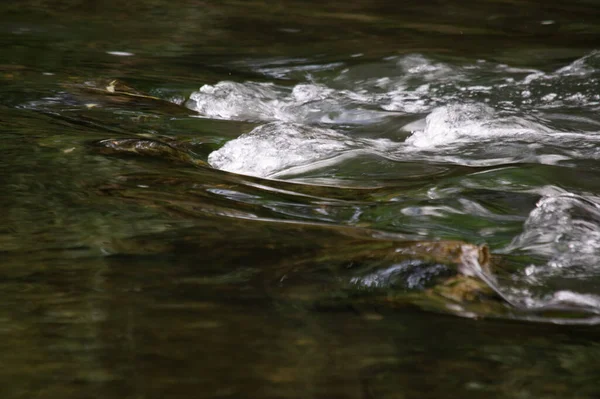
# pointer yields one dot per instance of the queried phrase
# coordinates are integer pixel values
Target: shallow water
(272, 207)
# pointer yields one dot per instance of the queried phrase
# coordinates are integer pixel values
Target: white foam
(277, 146)
(236, 101)
(580, 67)
(481, 114)
(573, 298)
(561, 299)
(565, 229)
(478, 114)
(450, 134)
(416, 65)
(456, 123)
(304, 103)
(407, 84)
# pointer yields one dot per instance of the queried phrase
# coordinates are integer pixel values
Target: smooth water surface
(274, 205)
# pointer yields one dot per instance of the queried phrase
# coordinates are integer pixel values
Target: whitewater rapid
(478, 114)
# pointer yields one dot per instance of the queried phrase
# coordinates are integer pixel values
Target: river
(250, 199)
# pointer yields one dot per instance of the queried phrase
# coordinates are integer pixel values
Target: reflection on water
(300, 210)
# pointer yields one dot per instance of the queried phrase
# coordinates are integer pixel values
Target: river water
(269, 206)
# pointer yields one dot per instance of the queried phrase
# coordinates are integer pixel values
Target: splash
(306, 103)
(458, 123)
(277, 146)
(478, 114)
(410, 84)
(481, 114)
(562, 236)
(565, 228)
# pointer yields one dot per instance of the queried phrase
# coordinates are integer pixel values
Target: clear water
(269, 217)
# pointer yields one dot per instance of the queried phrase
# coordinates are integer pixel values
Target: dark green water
(130, 268)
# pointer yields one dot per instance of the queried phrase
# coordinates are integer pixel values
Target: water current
(293, 199)
(476, 114)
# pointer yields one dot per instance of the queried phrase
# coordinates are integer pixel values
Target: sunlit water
(479, 114)
(272, 214)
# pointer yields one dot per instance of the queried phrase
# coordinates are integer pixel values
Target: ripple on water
(478, 114)
(459, 123)
(563, 233)
(407, 84)
(512, 110)
(565, 228)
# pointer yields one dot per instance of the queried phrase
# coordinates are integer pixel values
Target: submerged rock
(148, 148)
(117, 92)
(443, 276)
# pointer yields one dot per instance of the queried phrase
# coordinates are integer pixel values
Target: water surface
(260, 213)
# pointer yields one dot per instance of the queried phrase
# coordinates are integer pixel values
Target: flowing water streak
(478, 115)
(564, 228)
(520, 129)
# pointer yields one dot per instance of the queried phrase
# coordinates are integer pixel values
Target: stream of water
(298, 200)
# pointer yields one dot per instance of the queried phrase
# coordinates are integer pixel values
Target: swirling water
(512, 116)
(278, 211)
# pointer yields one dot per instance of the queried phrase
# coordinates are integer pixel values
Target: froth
(457, 109)
(304, 103)
(277, 146)
(565, 228)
